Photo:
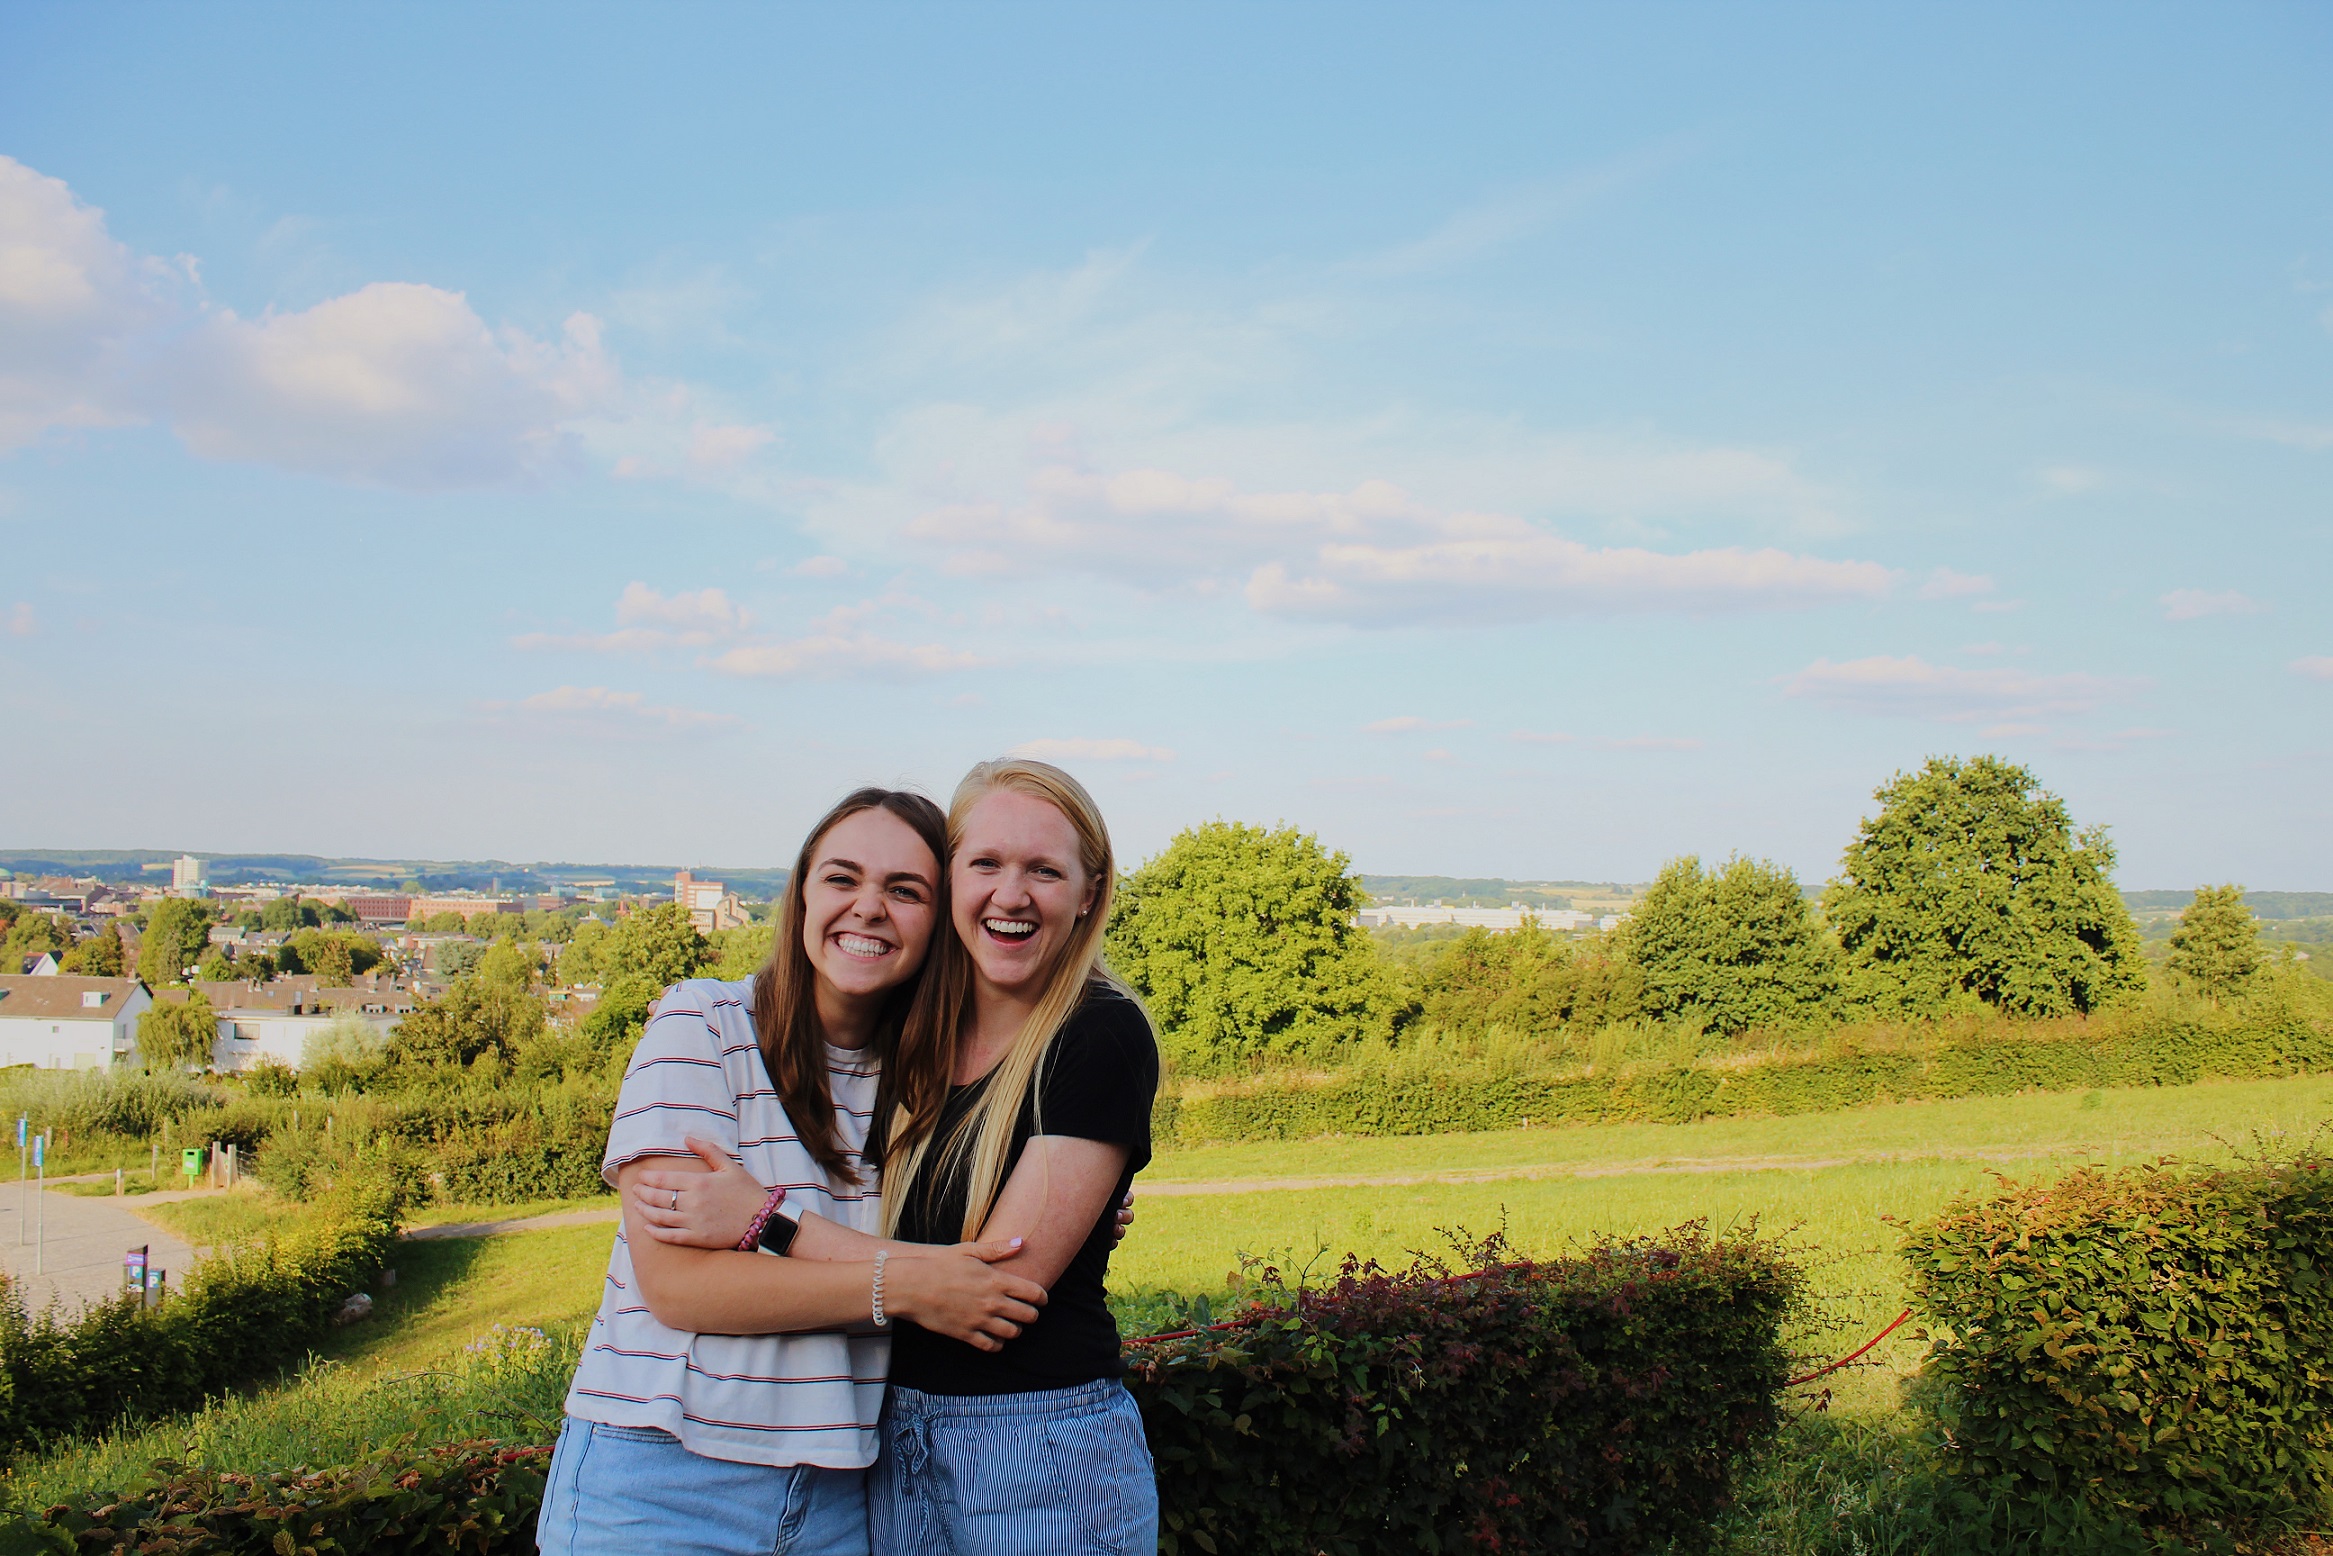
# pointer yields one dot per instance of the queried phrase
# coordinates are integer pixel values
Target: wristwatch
(778, 1234)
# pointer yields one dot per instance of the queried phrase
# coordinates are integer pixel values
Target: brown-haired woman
(727, 1401)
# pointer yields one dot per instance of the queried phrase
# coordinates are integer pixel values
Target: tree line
(1971, 889)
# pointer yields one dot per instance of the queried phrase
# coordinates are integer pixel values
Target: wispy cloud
(1910, 687)
(2193, 604)
(1534, 737)
(1371, 556)
(2119, 740)
(22, 621)
(1407, 723)
(1494, 223)
(606, 707)
(1649, 743)
(1945, 584)
(650, 622)
(1089, 750)
(2317, 667)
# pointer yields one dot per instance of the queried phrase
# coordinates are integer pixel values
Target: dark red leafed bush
(1593, 1404)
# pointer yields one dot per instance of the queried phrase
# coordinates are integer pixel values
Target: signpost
(40, 1157)
(134, 1269)
(23, 1171)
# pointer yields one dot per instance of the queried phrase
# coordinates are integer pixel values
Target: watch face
(778, 1236)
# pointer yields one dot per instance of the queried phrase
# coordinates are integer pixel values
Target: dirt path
(85, 1240)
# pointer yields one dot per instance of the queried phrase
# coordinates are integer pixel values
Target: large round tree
(1243, 943)
(1734, 948)
(1972, 888)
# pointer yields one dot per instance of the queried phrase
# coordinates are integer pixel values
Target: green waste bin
(190, 1162)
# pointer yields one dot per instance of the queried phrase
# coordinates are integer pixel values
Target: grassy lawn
(252, 1211)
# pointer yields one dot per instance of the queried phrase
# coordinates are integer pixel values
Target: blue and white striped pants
(1065, 1472)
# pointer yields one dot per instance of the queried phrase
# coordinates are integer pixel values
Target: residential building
(710, 905)
(273, 1021)
(42, 966)
(62, 1022)
(466, 904)
(189, 876)
(379, 908)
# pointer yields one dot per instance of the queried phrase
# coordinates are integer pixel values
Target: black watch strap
(777, 1234)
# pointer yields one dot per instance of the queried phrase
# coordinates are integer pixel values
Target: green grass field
(1839, 1184)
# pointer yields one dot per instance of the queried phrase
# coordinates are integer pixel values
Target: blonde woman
(1020, 1110)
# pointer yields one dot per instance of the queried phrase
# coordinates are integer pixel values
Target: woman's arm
(709, 1291)
(1052, 1200)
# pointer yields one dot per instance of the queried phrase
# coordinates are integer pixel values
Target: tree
(334, 957)
(658, 946)
(218, 965)
(345, 1054)
(740, 953)
(35, 932)
(282, 916)
(1734, 950)
(1971, 888)
(99, 956)
(1242, 941)
(473, 1019)
(1528, 980)
(579, 959)
(174, 939)
(2216, 947)
(177, 1034)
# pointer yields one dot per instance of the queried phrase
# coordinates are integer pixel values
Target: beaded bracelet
(761, 1218)
(882, 1256)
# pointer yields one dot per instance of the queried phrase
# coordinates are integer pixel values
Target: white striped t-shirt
(759, 1399)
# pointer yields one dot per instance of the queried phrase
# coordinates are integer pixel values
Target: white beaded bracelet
(881, 1255)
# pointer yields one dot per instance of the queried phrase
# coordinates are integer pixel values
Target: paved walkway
(81, 1255)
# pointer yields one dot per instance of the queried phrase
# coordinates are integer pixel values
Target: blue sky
(1504, 440)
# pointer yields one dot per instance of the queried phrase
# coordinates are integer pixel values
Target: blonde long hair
(925, 1062)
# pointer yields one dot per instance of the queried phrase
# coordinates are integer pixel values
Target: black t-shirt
(1096, 1083)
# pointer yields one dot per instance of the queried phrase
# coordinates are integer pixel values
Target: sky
(1531, 441)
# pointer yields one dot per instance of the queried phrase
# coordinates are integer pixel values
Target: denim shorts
(630, 1490)
(1065, 1472)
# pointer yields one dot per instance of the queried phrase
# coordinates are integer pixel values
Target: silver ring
(676, 1199)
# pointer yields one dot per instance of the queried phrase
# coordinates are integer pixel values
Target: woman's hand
(962, 1296)
(691, 1207)
(1125, 1218)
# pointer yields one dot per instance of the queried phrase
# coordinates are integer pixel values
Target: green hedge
(1599, 1404)
(463, 1499)
(241, 1315)
(1387, 1096)
(2150, 1349)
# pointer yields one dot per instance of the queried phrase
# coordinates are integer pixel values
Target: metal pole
(23, 1206)
(40, 1157)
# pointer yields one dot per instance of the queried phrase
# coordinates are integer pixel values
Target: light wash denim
(1064, 1472)
(633, 1490)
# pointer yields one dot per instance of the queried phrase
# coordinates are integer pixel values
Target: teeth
(860, 945)
(1009, 926)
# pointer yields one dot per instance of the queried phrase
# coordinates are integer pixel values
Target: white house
(273, 1021)
(61, 1022)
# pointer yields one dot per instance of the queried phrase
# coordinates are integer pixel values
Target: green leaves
(2151, 1344)
(1737, 949)
(1971, 888)
(1242, 943)
(2216, 948)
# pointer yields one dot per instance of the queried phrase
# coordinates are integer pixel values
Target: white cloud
(22, 623)
(1910, 687)
(600, 704)
(395, 384)
(649, 622)
(2072, 479)
(725, 448)
(840, 645)
(1371, 556)
(1092, 751)
(1945, 584)
(73, 304)
(2193, 604)
(820, 567)
(2317, 667)
(1408, 722)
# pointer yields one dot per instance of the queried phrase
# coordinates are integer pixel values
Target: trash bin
(190, 1162)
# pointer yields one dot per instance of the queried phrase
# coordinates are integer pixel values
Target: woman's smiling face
(1019, 888)
(868, 903)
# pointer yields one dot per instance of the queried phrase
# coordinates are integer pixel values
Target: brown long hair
(785, 1000)
(925, 1052)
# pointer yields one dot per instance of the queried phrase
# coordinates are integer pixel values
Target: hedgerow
(1436, 1089)
(242, 1315)
(465, 1499)
(2149, 1350)
(1597, 1403)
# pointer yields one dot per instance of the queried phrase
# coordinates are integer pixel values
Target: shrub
(1734, 948)
(2151, 1347)
(241, 1315)
(464, 1499)
(1597, 1403)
